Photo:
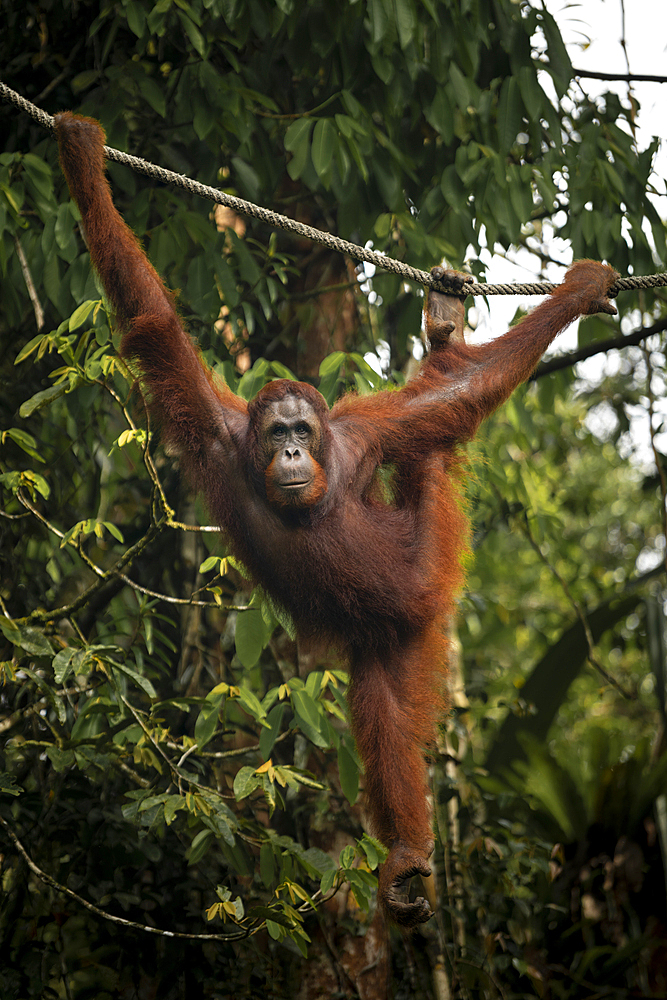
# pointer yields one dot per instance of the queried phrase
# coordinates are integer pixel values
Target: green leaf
(379, 21)
(27, 637)
(275, 930)
(346, 857)
(554, 788)
(81, 314)
(30, 480)
(84, 80)
(354, 109)
(207, 720)
(453, 188)
(199, 846)
(440, 115)
(31, 346)
(298, 133)
(282, 371)
(300, 148)
(139, 679)
(252, 636)
(267, 865)
(349, 773)
(317, 862)
(173, 804)
(327, 881)
(227, 281)
(460, 86)
(346, 125)
(62, 664)
(374, 851)
(61, 759)
(245, 782)
(151, 91)
(509, 114)
(25, 441)
(559, 64)
(42, 399)
(404, 14)
(213, 562)
(253, 380)
(247, 176)
(248, 267)
(531, 92)
(324, 143)
(311, 721)
(332, 363)
(113, 530)
(193, 33)
(37, 167)
(251, 703)
(63, 227)
(136, 17)
(268, 736)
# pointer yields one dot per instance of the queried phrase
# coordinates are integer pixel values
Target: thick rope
(276, 221)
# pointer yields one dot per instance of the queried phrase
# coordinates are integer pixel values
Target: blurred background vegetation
(170, 757)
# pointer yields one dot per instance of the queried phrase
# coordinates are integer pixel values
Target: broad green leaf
(267, 865)
(251, 704)
(299, 147)
(509, 114)
(31, 346)
(298, 133)
(136, 17)
(81, 314)
(440, 114)
(559, 64)
(193, 33)
(63, 665)
(25, 441)
(252, 636)
(153, 93)
(27, 637)
(349, 773)
(207, 720)
(460, 86)
(60, 759)
(268, 737)
(332, 363)
(322, 150)
(404, 13)
(139, 679)
(379, 20)
(199, 846)
(311, 721)
(227, 280)
(245, 782)
(82, 81)
(253, 380)
(113, 530)
(531, 92)
(41, 399)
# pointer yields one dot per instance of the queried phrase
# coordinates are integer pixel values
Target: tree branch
(599, 347)
(623, 77)
(51, 882)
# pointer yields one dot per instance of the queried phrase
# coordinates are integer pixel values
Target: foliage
(168, 756)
